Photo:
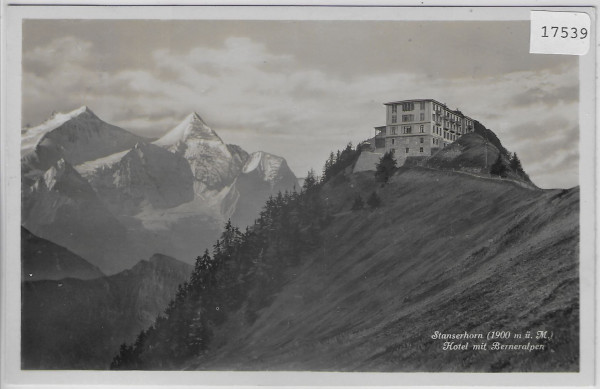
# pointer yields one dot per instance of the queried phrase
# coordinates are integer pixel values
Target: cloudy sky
(300, 89)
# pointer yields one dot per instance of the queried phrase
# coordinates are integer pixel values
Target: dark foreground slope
(445, 252)
(77, 324)
(367, 289)
(44, 260)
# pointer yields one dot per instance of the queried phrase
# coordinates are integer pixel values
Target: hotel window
(393, 130)
(420, 149)
(393, 140)
(408, 118)
(407, 150)
(394, 109)
(393, 118)
(422, 140)
(422, 105)
(422, 116)
(408, 106)
(407, 129)
(422, 128)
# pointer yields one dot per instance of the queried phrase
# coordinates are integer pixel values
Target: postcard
(298, 195)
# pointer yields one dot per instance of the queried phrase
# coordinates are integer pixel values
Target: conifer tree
(385, 168)
(310, 181)
(515, 164)
(498, 168)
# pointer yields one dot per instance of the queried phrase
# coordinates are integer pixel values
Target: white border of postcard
(13, 377)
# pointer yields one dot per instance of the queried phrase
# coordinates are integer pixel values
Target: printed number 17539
(564, 32)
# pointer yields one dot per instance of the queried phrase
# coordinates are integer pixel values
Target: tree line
(241, 274)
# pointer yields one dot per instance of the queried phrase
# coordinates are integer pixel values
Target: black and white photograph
(200, 190)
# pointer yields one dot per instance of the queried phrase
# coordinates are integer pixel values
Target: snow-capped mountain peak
(54, 173)
(269, 168)
(76, 137)
(191, 127)
(267, 164)
(31, 137)
(63, 173)
(211, 161)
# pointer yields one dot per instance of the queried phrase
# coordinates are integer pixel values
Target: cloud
(42, 60)
(549, 150)
(548, 97)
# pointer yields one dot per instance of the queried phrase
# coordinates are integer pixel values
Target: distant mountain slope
(86, 183)
(44, 260)
(62, 207)
(76, 137)
(146, 175)
(77, 324)
(263, 175)
(212, 163)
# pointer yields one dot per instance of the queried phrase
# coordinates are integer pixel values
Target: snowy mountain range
(114, 197)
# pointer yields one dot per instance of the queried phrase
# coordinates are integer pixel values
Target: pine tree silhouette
(498, 168)
(385, 168)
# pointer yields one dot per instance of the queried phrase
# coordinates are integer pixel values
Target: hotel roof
(457, 112)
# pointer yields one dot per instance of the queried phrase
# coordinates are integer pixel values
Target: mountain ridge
(44, 260)
(75, 324)
(76, 136)
(171, 195)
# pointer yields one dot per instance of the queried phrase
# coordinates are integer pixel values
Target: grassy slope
(446, 252)
(469, 153)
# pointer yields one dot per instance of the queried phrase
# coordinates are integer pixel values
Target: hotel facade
(419, 128)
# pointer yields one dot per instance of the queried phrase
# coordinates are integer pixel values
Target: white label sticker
(560, 33)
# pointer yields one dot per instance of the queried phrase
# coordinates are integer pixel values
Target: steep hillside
(476, 154)
(445, 252)
(470, 151)
(44, 260)
(77, 324)
(490, 136)
(322, 284)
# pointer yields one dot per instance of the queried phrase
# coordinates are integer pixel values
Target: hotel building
(419, 128)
